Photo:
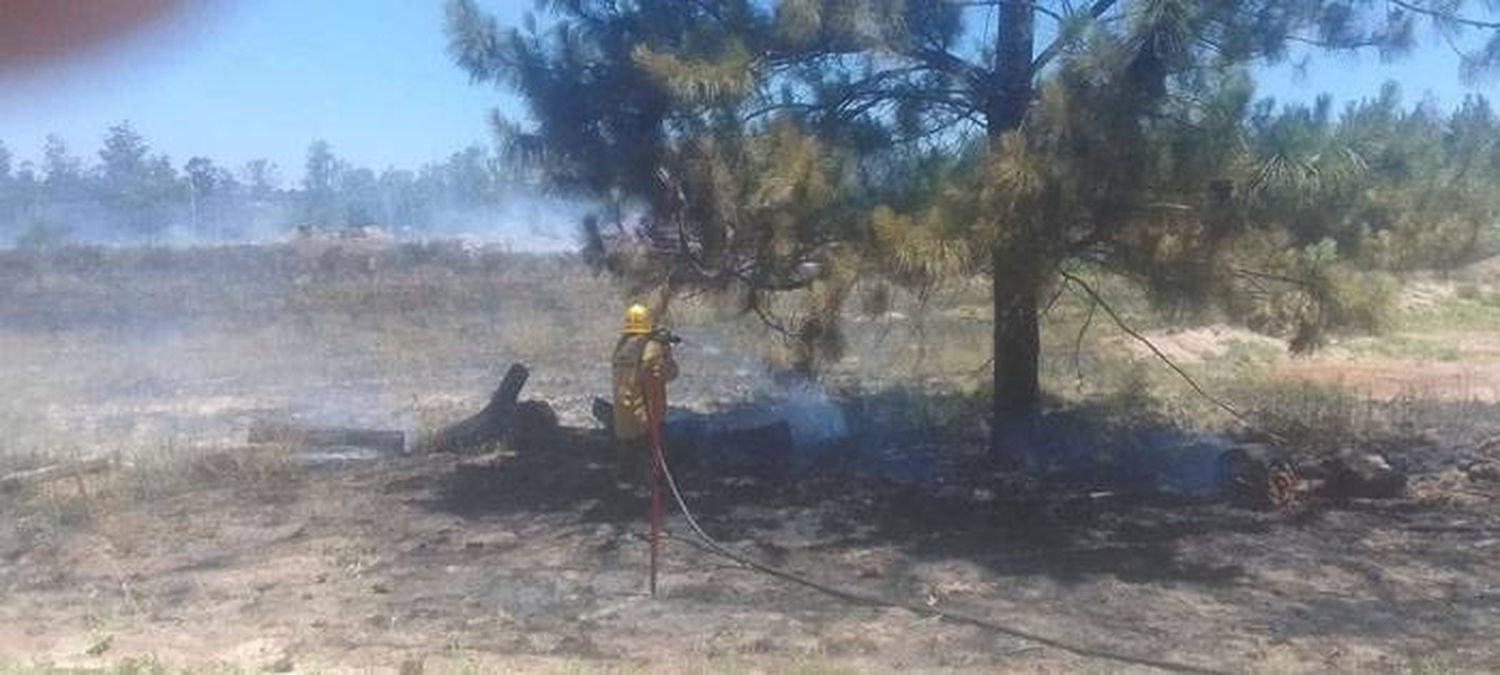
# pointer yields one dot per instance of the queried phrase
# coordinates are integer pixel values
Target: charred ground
(205, 553)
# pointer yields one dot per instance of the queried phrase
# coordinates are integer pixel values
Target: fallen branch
(505, 419)
(282, 433)
(1088, 321)
(1053, 301)
(1136, 335)
(55, 472)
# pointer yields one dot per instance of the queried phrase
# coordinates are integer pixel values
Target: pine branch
(1053, 300)
(777, 107)
(1053, 50)
(1036, 6)
(769, 321)
(1088, 321)
(1138, 337)
(1442, 16)
(943, 61)
(1322, 44)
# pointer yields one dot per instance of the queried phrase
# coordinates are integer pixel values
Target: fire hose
(661, 471)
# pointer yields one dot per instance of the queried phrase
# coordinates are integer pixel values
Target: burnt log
(283, 433)
(506, 419)
(765, 448)
(604, 412)
(1361, 475)
(75, 470)
(1261, 477)
(1257, 476)
(533, 426)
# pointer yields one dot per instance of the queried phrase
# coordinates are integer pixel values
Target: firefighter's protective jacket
(639, 363)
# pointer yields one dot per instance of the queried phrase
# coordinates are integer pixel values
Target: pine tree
(138, 188)
(800, 146)
(9, 197)
(321, 184)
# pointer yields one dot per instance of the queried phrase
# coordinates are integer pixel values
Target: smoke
(523, 223)
(814, 417)
(1186, 464)
(133, 196)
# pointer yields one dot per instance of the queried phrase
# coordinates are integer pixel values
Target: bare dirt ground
(539, 563)
(1444, 345)
(1390, 378)
(208, 555)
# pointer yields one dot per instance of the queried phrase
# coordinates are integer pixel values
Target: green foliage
(1397, 189)
(131, 194)
(136, 186)
(1302, 292)
(320, 181)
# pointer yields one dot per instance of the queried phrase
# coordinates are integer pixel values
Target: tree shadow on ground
(1313, 577)
(928, 491)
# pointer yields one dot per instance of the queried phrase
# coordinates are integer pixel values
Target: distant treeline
(130, 193)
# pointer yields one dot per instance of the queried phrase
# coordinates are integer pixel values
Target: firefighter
(642, 366)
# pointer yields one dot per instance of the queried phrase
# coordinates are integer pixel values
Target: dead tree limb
(501, 420)
(1053, 300)
(55, 472)
(1137, 336)
(1088, 320)
(283, 433)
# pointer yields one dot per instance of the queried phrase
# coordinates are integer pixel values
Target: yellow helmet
(637, 320)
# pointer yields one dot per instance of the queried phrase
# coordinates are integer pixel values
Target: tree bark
(1016, 281)
(490, 425)
(1017, 338)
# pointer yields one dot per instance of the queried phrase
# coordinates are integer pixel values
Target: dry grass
(160, 356)
(462, 663)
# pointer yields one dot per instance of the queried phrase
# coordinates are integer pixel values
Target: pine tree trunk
(1016, 281)
(1017, 353)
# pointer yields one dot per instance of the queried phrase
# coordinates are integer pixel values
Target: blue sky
(263, 78)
